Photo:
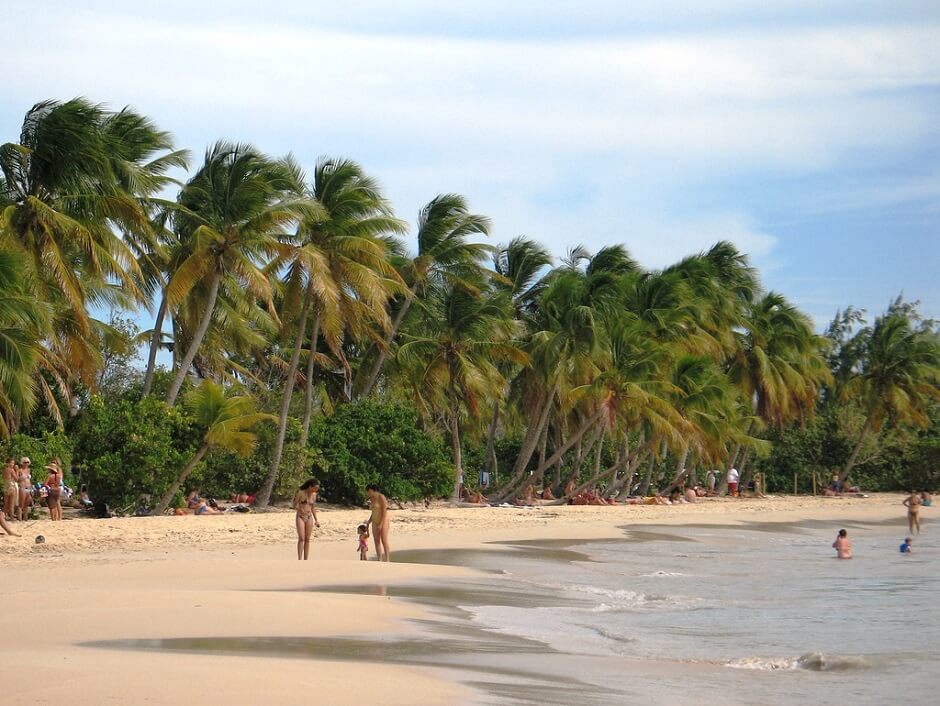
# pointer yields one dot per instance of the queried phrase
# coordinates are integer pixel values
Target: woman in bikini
(913, 504)
(305, 503)
(25, 481)
(54, 483)
(11, 490)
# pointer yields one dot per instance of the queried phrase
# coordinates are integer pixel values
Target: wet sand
(76, 603)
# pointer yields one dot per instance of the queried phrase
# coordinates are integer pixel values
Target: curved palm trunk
(490, 455)
(383, 353)
(155, 346)
(455, 435)
(844, 476)
(177, 484)
(549, 462)
(308, 396)
(197, 339)
(528, 446)
(648, 479)
(264, 495)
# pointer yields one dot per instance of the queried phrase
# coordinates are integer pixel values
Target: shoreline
(234, 576)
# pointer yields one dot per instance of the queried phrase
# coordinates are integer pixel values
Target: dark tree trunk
(200, 333)
(155, 340)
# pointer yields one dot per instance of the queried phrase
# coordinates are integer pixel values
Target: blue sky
(804, 132)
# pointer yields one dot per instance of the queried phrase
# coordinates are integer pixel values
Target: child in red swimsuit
(363, 531)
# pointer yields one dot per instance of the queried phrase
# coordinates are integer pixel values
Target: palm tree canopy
(227, 419)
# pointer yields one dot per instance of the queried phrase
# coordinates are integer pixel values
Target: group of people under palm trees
(19, 492)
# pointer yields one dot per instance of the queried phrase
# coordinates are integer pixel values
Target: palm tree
(234, 210)
(444, 256)
(341, 266)
(521, 267)
(900, 372)
(75, 193)
(227, 421)
(567, 346)
(455, 352)
(24, 322)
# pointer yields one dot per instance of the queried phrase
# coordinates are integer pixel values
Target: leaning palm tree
(453, 355)
(444, 256)
(900, 373)
(339, 269)
(73, 196)
(234, 212)
(227, 421)
(24, 322)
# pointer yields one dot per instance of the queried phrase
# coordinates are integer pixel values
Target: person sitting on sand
(3, 525)
(906, 546)
(690, 495)
(547, 493)
(472, 496)
(194, 499)
(528, 496)
(843, 545)
(570, 487)
(926, 499)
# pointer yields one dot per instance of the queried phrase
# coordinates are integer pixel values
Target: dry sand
(235, 575)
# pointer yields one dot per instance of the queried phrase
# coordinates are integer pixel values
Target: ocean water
(755, 614)
(759, 614)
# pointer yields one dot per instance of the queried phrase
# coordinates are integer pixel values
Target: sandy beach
(235, 575)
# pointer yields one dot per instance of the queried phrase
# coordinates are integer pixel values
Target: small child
(906, 546)
(363, 531)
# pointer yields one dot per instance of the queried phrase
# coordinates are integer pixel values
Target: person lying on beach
(473, 496)
(843, 545)
(204, 508)
(242, 498)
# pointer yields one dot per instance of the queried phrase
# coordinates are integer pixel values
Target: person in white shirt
(733, 477)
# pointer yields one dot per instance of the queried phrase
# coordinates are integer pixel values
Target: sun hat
(25, 459)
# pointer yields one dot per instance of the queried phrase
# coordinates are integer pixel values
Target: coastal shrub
(224, 472)
(128, 449)
(40, 450)
(369, 442)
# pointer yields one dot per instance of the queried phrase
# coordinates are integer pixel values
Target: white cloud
(583, 137)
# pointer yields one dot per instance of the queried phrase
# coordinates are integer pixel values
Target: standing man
(733, 477)
(379, 521)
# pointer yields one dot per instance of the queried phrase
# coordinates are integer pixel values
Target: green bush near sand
(368, 442)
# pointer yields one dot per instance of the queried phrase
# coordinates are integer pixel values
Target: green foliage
(127, 448)
(41, 450)
(225, 472)
(368, 442)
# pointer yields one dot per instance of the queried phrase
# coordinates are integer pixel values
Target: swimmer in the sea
(906, 546)
(843, 545)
